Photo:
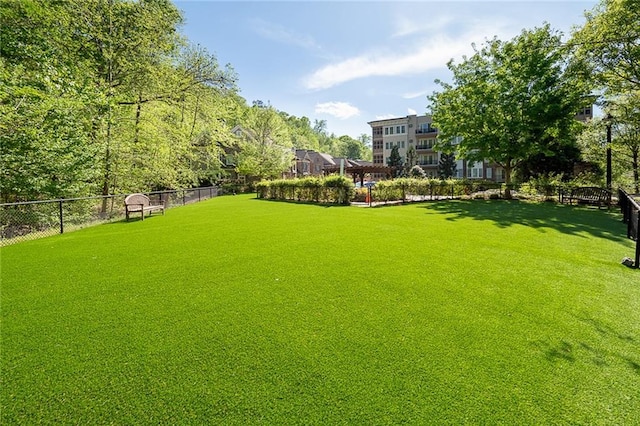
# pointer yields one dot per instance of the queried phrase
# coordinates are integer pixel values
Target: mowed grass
(244, 311)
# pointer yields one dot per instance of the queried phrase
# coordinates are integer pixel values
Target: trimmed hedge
(332, 190)
(401, 188)
(340, 190)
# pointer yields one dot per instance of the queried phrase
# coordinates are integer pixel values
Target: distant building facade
(415, 138)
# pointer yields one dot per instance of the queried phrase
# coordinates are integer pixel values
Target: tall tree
(625, 113)
(45, 111)
(265, 149)
(351, 148)
(509, 100)
(395, 161)
(447, 165)
(122, 41)
(411, 160)
(609, 42)
(106, 95)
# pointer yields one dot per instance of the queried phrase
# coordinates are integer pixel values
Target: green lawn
(245, 311)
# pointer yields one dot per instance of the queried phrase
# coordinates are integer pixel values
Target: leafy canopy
(609, 44)
(509, 100)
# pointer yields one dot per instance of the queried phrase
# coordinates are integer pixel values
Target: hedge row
(332, 189)
(400, 189)
(340, 190)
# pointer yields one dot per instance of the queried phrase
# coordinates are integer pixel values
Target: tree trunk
(107, 154)
(107, 170)
(136, 137)
(507, 180)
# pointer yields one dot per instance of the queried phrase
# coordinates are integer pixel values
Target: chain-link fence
(36, 219)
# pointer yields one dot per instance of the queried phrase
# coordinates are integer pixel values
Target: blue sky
(353, 62)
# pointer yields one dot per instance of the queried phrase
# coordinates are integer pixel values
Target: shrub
(333, 189)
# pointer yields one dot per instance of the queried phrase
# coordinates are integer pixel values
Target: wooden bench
(589, 195)
(140, 203)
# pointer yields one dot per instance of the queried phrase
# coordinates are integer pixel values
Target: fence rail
(631, 216)
(35, 219)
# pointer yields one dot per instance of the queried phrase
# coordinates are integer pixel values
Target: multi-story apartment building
(415, 138)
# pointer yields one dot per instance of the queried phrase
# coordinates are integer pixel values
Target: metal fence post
(61, 219)
(637, 262)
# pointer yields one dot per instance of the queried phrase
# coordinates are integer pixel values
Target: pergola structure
(358, 171)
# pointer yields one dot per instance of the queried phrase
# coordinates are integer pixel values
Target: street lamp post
(609, 151)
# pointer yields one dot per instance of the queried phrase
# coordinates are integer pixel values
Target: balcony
(424, 147)
(424, 131)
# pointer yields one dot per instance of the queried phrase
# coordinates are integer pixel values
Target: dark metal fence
(35, 219)
(416, 190)
(631, 216)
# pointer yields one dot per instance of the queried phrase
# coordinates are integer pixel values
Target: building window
(489, 173)
(474, 170)
(425, 128)
(427, 160)
(404, 129)
(386, 130)
(402, 144)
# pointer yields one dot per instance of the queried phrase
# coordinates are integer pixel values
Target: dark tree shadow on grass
(612, 348)
(563, 218)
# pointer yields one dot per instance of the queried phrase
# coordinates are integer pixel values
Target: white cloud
(412, 111)
(413, 95)
(281, 34)
(424, 55)
(341, 110)
(420, 24)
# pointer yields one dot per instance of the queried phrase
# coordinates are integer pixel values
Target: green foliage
(45, 149)
(395, 161)
(106, 96)
(625, 127)
(609, 45)
(332, 189)
(447, 165)
(546, 185)
(264, 149)
(564, 155)
(509, 100)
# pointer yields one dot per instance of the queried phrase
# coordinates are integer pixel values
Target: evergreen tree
(447, 166)
(395, 161)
